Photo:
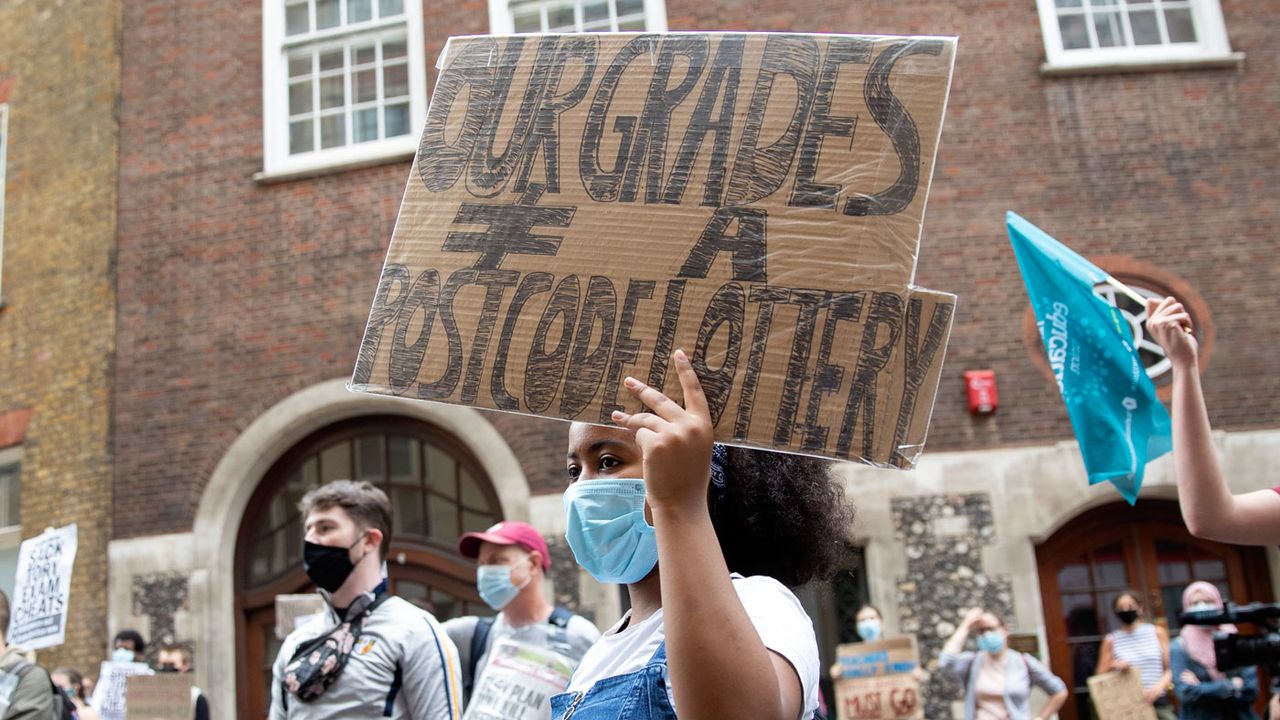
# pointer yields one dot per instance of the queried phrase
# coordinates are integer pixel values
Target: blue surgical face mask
(122, 655)
(869, 630)
(607, 530)
(495, 586)
(991, 641)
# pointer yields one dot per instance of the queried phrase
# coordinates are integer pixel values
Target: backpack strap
(560, 617)
(479, 643)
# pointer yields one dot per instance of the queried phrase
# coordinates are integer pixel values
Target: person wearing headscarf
(1204, 691)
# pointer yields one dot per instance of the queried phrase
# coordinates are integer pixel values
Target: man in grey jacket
(370, 654)
(25, 692)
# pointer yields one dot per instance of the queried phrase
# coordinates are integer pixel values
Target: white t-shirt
(782, 623)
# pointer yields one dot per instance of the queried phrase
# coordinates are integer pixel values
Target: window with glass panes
(562, 16)
(348, 72)
(1088, 24)
(1087, 33)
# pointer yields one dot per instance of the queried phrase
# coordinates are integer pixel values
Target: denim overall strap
(641, 695)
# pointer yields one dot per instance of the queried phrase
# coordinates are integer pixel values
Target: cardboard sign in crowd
(1118, 696)
(42, 589)
(878, 680)
(582, 205)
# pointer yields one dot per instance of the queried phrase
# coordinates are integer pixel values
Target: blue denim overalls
(641, 695)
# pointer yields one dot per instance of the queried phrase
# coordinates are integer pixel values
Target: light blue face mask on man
(607, 530)
(495, 586)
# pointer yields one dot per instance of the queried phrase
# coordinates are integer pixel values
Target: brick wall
(57, 324)
(235, 294)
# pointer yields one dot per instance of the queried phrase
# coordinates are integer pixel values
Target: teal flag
(1118, 421)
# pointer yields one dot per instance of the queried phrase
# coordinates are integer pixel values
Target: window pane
(295, 19)
(333, 131)
(395, 81)
(1074, 576)
(630, 7)
(299, 65)
(404, 456)
(1209, 569)
(364, 55)
(1075, 34)
(300, 137)
(327, 14)
(1145, 29)
(335, 460)
(10, 496)
(366, 125)
(475, 522)
(528, 20)
(472, 496)
(406, 503)
(561, 18)
(387, 8)
(365, 85)
(634, 24)
(359, 10)
(331, 92)
(1068, 3)
(444, 519)
(595, 11)
(397, 120)
(1110, 32)
(440, 467)
(331, 60)
(370, 459)
(393, 49)
(300, 97)
(1180, 25)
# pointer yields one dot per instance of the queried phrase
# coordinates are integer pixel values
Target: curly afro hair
(781, 515)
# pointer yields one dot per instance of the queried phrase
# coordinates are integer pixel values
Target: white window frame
(4, 163)
(276, 160)
(11, 535)
(502, 21)
(1212, 47)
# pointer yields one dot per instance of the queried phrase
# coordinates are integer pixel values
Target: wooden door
(1147, 549)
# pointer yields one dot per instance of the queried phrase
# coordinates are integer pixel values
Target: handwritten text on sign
(42, 589)
(581, 205)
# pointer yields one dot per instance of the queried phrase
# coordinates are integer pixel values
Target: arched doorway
(438, 490)
(1084, 565)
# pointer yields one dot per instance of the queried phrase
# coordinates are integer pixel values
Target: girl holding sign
(707, 539)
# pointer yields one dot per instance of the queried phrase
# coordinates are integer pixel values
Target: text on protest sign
(109, 692)
(518, 682)
(883, 697)
(42, 588)
(890, 656)
(581, 205)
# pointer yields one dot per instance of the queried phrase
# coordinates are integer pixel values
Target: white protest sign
(42, 587)
(109, 692)
(518, 682)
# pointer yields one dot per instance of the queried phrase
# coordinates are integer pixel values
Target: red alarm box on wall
(983, 398)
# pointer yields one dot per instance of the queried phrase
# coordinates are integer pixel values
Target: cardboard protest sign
(109, 692)
(518, 682)
(890, 656)
(581, 205)
(883, 697)
(41, 589)
(164, 696)
(1118, 696)
(292, 611)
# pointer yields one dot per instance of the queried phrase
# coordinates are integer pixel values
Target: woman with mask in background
(1204, 691)
(870, 626)
(707, 540)
(1139, 646)
(997, 681)
(71, 683)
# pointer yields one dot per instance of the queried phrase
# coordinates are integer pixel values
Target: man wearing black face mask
(177, 659)
(370, 654)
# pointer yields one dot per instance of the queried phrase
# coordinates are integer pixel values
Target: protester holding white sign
(42, 588)
(26, 692)
(518, 682)
(712, 623)
(109, 693)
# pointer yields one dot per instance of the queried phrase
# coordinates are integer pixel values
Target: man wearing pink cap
(512, 561)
